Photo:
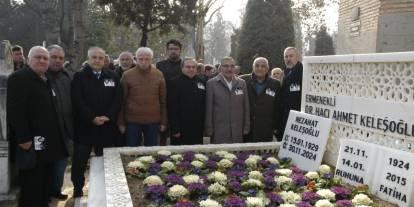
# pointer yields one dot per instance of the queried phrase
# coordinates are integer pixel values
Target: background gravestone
(6, 68)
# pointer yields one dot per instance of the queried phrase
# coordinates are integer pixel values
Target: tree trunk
(200, 38)
(79, 8)
(144, 38)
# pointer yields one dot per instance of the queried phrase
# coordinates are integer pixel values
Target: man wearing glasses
(227, 106)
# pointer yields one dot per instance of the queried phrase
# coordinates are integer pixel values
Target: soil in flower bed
(136, 187)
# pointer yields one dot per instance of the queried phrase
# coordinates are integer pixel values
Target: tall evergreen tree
(324, 43)
(267, 29)
(234, 39)
(217, 40)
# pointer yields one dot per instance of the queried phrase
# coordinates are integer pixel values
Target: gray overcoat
(227, 111)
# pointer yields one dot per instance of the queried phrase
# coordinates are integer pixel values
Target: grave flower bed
(244, 179)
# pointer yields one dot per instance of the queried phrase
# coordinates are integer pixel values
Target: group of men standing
(137, 103)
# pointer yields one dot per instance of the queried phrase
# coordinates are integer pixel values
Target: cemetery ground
(67, 189)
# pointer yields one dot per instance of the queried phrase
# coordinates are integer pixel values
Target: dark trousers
(58, 175)
(80, 159)
(34, 186)
(134, 131)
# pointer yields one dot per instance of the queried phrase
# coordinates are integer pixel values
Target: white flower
(146, 159)
(201, 157)
(167, 165)
(256, 157)
(177, 157)
(272, 160)
(253, 183)
(282, 180)
(312, 175)
(326, 193)
(191, 179)
(217, 189)
(361, 199)
(255, 202)
(197, 164)
(209, 203)
(225, 163)
(218, 177)
(177, 191)
(251, 162)
(323, 169)
(221, 153)
(230, 156)
(290, 196)
(284, 172)
(153, 180)
(287, 205)
(255, 175)
(164, 152)
(137, 165)
(324, 203)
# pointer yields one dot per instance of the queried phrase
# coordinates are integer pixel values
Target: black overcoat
(291, 93)
(264, 109)
(93, 97)
(32, 112)
(187, 109)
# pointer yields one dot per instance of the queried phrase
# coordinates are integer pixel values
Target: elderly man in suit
(227, 106)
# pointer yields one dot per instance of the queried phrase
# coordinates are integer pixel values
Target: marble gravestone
(6, 68)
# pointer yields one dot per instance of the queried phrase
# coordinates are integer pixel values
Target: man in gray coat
(227, 106)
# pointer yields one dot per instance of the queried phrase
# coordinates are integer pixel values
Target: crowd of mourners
(54, 114)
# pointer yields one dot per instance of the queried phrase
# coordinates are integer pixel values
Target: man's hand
(105, 118)
(98, 121)
(26, 145)
(178, 135)
(162, 128)
(122, 128)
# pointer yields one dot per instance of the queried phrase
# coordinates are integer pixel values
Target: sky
(232, 10)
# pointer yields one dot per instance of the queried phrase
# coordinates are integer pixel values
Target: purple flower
(235, 186)
(252, 191)
(341, 192)
(174, 179)
(188, 156)
(184, 204)
(264, 163)
(327, 176)
(162, 158)
(310, 197)
(214, 157)
(274, 198)
(236, 174)
(185, 165)
(204, 178)
(197, 188)
(243, 155)
(239, 163)
(303, 204)
(344, 203)
(211, 164)
(295, 169)
(299, 180)
(270, 173)
(154, 168)
(269, 182)
(155, 190)
(234, 201)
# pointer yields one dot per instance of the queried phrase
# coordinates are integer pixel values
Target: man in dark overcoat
(264, 99)
(97, 98)
(32, 115)
(187, 106)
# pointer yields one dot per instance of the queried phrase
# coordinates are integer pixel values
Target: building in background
(375, 26)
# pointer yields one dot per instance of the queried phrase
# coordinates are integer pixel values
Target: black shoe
(77, 193)
(60, 196)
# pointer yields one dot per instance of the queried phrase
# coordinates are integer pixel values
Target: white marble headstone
(305, 139)
(394, 177)
(356, 162)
